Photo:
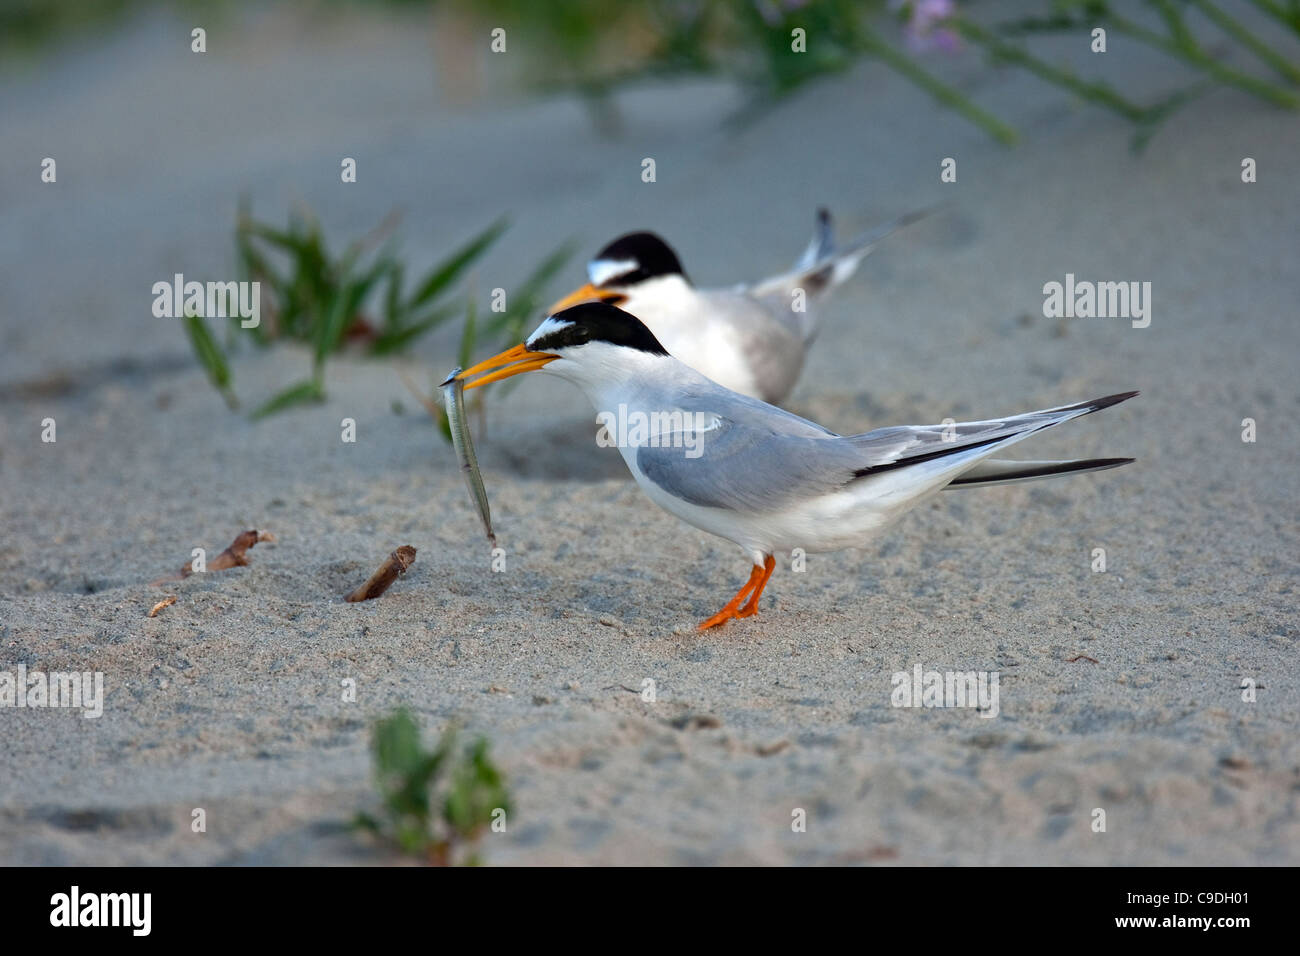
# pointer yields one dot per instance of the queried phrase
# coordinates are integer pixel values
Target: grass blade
(210, 357)
(468, 336)
(525, 301)
(300, 394)
(446, 272)
(398, 339)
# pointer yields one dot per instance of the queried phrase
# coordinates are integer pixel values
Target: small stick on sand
(235, 556)
(393, 567)
(168, 601)
(1081, 657)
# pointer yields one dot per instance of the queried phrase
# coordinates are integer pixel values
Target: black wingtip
(1101, 464)
(1097, 404)
(1115, 399)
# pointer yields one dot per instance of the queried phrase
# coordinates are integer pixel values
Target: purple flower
(924, 29)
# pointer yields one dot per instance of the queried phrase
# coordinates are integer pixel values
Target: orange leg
(751, 606)
(757, 580)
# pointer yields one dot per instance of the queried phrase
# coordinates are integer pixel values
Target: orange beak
(588, 293)
(510, 362)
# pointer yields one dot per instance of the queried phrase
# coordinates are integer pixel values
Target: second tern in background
(750, 338)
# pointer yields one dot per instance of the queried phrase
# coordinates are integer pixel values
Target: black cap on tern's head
(558, 336)
(633, 258)
(625, 263)
(593, 322)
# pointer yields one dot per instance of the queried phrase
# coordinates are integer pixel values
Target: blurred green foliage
(31, 24)
(360, 299)
(595, 46)
(436, 803)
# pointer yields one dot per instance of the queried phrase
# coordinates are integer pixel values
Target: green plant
(436, 803)
(1002, 43)
(320, 301)
(359, 300)
(595, 48)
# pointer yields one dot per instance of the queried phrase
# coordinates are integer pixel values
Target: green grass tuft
(438, 803)
(358, 300)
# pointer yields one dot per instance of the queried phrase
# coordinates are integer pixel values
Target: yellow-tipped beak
(510, 362)
(588, 293)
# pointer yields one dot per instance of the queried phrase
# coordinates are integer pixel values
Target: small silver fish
(453, 398)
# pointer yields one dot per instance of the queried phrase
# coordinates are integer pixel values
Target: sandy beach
(1119, 690)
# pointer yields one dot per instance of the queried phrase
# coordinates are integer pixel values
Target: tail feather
(999, 471)
(838, 263)
(823, 266)
(823, 242)
(950, 452)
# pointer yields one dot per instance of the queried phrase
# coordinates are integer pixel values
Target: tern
(755, 474)
(750, 338)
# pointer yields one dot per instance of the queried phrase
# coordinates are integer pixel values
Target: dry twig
(235, 556)
(393, 567)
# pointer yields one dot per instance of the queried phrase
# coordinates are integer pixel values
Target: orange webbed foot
(753, 589)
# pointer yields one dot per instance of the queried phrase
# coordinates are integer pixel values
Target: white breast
(694, 330)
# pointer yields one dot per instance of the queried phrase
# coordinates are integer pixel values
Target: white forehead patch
(600, 271)
(551, 324)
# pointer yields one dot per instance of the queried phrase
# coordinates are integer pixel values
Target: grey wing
(754, 470)
(757, 458)
(746, 469)
(758, 325)
(751, 456)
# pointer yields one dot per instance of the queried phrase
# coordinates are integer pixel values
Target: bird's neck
(610, 376)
